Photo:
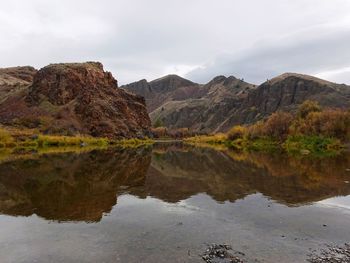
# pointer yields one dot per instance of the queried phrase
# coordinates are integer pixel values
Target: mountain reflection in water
(82, 187)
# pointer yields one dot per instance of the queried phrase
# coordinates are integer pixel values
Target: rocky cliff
(76, 98)
(226, 101)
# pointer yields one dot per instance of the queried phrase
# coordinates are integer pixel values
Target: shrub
(159, 132)
(328, 123)
(311, 144)
(256, 130)
(218, 138)
(277, 125)
(307, 107)
(5, 138)
(237, 132)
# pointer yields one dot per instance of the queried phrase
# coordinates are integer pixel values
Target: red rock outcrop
(77, 98)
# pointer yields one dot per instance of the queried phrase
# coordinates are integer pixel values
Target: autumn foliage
(309, 120)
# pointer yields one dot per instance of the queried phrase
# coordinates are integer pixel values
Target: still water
(166, 203)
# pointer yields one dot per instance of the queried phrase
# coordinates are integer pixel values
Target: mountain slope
(162, 90)
(224, 102)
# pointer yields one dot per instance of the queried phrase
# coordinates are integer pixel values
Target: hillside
(226, 101)
(73, 98)
(163, 90)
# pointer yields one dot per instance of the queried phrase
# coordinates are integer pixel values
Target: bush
(5, 138)
(237, 132)
(307, 107)
(159, 132)
(311, 144)
(328, 123)
(256, 130)
(277, 125)
(218, 138)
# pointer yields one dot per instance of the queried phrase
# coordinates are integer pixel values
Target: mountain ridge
(226, 101)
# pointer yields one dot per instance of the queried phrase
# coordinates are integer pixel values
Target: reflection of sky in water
(341, 202)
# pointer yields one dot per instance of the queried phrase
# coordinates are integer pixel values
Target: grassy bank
(30, 140)
(311, 130)
(294, 145)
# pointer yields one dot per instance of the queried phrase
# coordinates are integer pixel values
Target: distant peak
(171, 77)
(222, 78)
(172, 80)
(287, 75)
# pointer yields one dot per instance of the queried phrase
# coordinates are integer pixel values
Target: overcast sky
(197, 39)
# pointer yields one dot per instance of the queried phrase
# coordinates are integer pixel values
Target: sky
(197, 39)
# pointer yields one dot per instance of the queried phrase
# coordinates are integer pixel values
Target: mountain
(227, 101)
(178, 102)
(73, 98)
(162, 90)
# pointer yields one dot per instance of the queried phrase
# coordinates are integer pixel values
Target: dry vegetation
(310, 130)
(165, 133)
(27, 139)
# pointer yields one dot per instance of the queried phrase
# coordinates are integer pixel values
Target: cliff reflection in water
(82, 187)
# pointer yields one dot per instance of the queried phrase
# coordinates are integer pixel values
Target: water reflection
(82, 187)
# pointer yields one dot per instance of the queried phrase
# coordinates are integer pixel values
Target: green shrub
(311, 144)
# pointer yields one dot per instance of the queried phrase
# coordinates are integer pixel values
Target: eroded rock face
(165, 89)
(77, 98)
(185, 104)
(289, 90)
(227, 101)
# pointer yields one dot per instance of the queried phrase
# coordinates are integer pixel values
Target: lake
(169, 203)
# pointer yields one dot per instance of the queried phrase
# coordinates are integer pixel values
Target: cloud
(144, 39)
(321, 51)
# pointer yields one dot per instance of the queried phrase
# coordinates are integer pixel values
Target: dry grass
(219, 138)
(29, 139)
(51, 140)
(6, 140)
(133, 142)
